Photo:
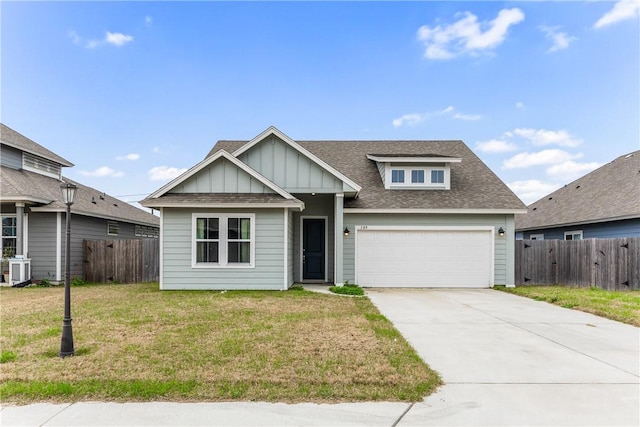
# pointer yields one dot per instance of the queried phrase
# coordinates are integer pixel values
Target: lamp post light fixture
(501, 232)
(66, 345)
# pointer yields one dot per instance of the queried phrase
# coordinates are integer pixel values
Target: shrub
(77, 281)
(347, 289)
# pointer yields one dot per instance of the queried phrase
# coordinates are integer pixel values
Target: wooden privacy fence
(612, 264)
(124, 261)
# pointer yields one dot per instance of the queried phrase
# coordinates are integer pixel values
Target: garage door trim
(487, 228)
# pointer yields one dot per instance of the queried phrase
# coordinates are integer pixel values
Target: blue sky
(134, 93)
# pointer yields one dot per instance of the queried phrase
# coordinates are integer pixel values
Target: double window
(223, 240)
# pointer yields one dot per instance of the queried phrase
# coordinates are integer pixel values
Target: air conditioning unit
(19, 270)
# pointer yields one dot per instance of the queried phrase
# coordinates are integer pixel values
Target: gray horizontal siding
(602, 230)
(10, 157)
(501, 269)
(177, 272)
(288, 168)
(42, 245)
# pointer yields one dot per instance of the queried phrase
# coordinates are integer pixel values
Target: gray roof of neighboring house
(608, 193)
(473, 184)
(43, 193)
(14, 139)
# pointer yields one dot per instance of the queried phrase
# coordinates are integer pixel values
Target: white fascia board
(385, 159)
(272, 130)
(158, 205)
(209, 160)
(25, 199)
(434, 211)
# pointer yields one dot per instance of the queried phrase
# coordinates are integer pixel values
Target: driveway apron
(509, 360)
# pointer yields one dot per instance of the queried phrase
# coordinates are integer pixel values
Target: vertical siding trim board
(285, 235)
(338, 241)
(58, 246)
(326, 244)
(161, 237)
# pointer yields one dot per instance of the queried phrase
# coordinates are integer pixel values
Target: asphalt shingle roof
(22, 185)
(473, 184)
(608, 193)
(14, 139)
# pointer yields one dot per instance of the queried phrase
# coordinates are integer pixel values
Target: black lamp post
(66, 346)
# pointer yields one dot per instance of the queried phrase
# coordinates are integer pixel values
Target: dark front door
(313, 249)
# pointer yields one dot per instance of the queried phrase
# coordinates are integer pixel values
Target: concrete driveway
(509, 360)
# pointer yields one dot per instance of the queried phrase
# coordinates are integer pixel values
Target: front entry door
(313, 237)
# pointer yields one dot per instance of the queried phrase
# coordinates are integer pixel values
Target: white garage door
(424, 258)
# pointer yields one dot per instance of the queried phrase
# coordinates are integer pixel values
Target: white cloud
(548, 137)
(622, 10)
(415, 118)
(570, 170)
(531, 190)
(519, 105)
(544, 157)
(467, 35)
(461, 116)
(115, 39)
(103, 171)
(164, 173)
(559, 39)
(148, 20)
(496, 146)
(130, 156)
(156, 149)
(409, 119)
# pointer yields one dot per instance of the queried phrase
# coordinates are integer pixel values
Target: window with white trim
(417, 176)
(573, 235)
(437, 176)
(223, 240)
(9, 239)
(397, 176)
(113, 228)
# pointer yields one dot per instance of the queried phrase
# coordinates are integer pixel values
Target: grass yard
(136, 343)
(623, 306)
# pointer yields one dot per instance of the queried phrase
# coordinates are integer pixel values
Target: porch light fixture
(66, 344)
(501, 231)
(346, 231)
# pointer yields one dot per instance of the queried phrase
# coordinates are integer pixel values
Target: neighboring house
(265, 213)
(34, 216)
(602, 204)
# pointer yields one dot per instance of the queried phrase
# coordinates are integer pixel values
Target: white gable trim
(391, 159)
(209, 160)
(272, 130)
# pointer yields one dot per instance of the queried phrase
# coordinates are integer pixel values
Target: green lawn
(136, 343)
(623, 306)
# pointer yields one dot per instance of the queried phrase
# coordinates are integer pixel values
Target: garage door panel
(424, 258)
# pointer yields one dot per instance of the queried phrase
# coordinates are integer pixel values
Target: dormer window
(397, 176)
(412, 172)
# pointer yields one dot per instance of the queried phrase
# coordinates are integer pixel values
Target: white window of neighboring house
(223, 240)
(113, 228)
(145, 231)
(536, 237)
(9, 235)
(573, 235)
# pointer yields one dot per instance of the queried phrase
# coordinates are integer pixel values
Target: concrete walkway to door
(509, 360)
